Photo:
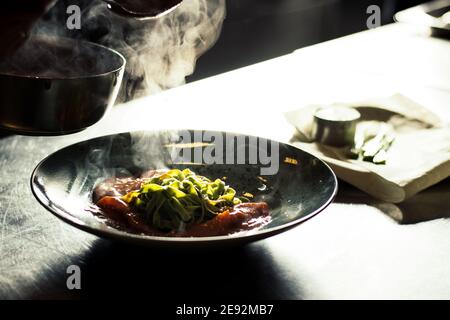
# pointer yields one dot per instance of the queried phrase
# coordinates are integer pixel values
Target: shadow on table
(429, 204)
(119, 270)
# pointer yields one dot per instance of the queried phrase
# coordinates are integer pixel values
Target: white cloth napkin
(418, 158)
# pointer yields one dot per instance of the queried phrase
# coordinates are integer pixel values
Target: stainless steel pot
(55, 86)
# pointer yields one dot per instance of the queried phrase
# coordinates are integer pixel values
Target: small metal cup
(335, 126)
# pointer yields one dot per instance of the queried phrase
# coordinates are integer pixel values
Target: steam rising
(160, 53)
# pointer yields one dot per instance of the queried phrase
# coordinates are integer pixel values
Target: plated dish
(177, 203)
(130, 187)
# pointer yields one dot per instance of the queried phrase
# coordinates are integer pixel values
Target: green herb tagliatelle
(176, 198)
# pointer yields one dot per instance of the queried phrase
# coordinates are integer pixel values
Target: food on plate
(372, 141)
(177, 203)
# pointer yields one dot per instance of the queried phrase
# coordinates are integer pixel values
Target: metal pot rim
(80, 77)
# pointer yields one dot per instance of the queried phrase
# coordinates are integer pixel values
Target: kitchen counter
(358, 248)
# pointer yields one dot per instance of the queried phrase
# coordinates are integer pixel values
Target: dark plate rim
(111, 232)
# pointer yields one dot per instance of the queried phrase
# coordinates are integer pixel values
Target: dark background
(257, 30)
(254, 30)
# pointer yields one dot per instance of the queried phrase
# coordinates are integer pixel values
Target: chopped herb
(176, 198)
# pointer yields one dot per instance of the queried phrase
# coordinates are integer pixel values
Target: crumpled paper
(418, 158)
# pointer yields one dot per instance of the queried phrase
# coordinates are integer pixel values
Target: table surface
(357, 248)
